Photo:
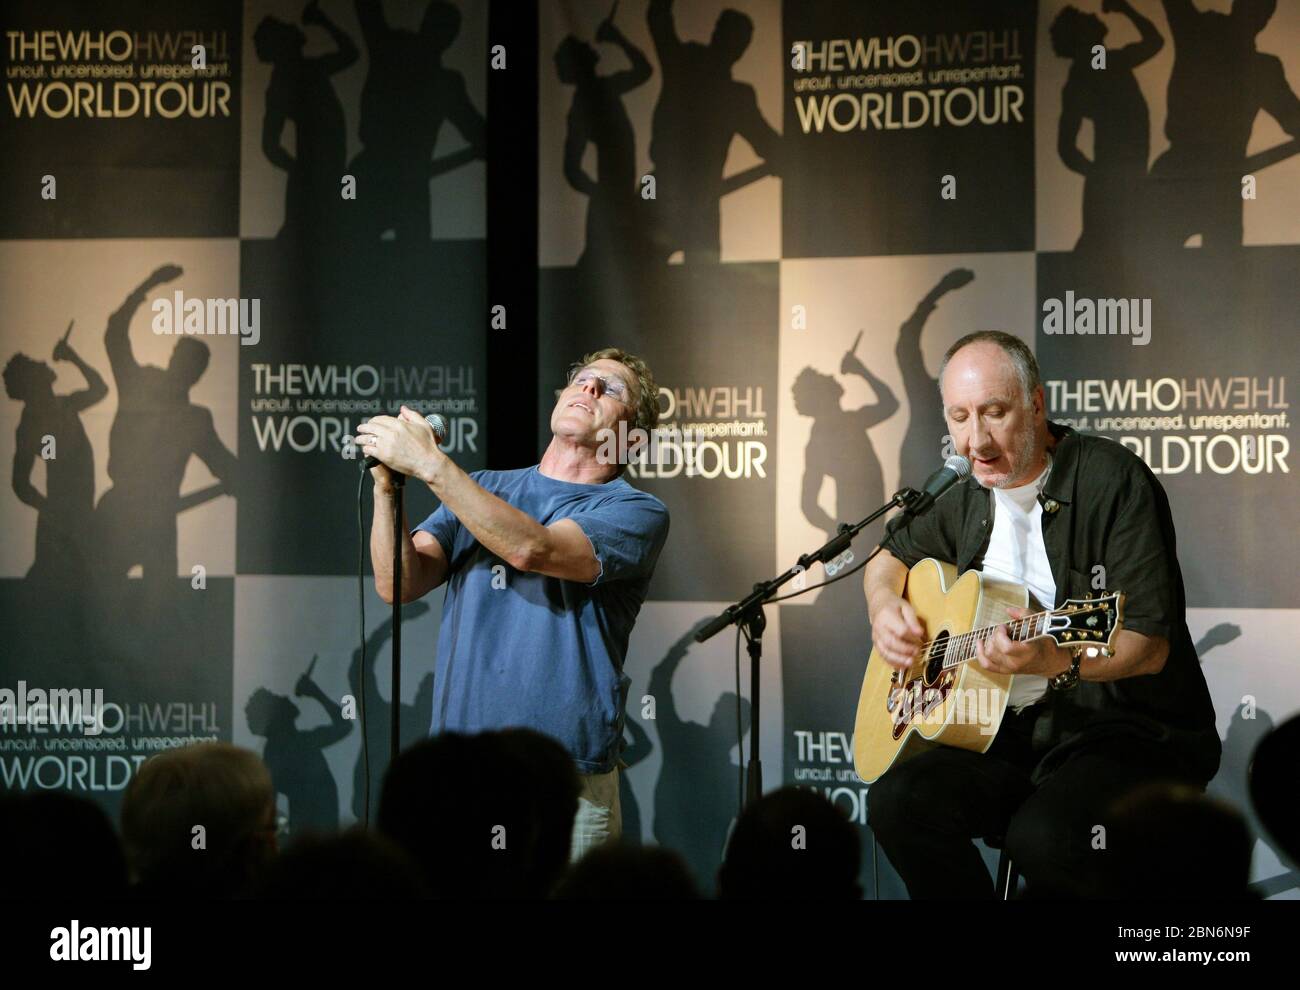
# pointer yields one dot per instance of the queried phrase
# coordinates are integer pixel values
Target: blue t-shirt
(543, 652)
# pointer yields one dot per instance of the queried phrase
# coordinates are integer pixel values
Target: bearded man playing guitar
(1064, 514)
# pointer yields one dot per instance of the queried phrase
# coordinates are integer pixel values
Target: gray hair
(1022, 358)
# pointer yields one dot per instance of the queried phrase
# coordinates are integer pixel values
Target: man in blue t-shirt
(546, 568)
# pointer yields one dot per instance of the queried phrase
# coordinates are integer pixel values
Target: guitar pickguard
(916, 699)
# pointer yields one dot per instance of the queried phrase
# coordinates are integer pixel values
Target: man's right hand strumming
(896, 631)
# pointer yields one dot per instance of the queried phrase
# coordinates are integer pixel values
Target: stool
(1004, 885)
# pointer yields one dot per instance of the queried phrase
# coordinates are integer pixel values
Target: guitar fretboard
(961, 648)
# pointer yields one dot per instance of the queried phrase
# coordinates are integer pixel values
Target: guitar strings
(966, 641)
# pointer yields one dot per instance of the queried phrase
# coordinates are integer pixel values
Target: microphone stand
(439, 427)
(394, 739)
(748, 615)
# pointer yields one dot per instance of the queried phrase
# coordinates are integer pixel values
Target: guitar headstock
(1086, 624)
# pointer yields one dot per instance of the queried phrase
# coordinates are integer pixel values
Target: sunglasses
(609, 384)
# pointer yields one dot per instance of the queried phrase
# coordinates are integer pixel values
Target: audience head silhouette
(791, 844)
(1272, 774)
(199, 821)
(354, 865)
(622, 872)
(485, 816)
(1170, 840)
(64, 845)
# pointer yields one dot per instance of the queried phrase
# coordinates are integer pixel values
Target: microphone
(956, 468)
(439, 424)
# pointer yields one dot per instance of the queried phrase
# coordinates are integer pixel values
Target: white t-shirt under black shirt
(1016, 553)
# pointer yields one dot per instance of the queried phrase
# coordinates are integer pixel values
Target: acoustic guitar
(946, 697)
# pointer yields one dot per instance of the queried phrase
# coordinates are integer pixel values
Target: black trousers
(925, 811)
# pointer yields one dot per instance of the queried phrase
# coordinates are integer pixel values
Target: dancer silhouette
(1115, 176)
(406, 97)
(378, 714)
(300, 93)
(1219, 84)
(69, 498)
(826, 642)
(697, 791)
(926, 426)
(155, 432)
(838, 446)
(700, 109)
(295, 756)
(597, 116)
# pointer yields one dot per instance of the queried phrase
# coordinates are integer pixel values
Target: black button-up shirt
(1101, 506)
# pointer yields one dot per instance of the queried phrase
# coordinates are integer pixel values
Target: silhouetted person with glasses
(1115, 176)
(597, 116)
(1219, 84)
(155, 432)
(300, 93)
(69, 496)
(701, 107)
(407, 95)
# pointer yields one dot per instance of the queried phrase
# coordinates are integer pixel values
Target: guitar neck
(960, 648)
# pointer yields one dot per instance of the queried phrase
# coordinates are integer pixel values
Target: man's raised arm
(659, 17)
(561, 550)
(117, 337)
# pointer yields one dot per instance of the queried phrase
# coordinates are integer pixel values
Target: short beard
(1020, 457)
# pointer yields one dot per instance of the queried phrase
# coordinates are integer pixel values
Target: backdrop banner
(232, 231)
(792, 210)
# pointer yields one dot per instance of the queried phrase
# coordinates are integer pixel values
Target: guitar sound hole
(934, 666)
